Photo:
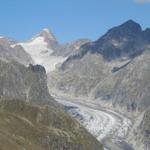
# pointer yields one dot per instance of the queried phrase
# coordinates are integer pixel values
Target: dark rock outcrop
(125, 40)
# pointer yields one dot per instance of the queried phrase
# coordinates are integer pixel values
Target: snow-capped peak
(46, 30)
(47, 34)
(41, 49)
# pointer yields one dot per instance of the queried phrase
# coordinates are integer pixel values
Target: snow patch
(13, 46)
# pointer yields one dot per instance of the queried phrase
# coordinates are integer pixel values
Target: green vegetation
(24, 126)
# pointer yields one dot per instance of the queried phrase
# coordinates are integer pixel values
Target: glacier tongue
(103, 124)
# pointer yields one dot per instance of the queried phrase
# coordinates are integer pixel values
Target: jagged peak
(46, 30)
(130, 21)
(131, 24)
(47, 34)
(128, 28)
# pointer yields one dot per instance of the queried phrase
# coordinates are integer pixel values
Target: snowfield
(103, 124)
(38, 49)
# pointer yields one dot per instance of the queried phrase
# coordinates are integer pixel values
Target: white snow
(41, 54)
(14, 45)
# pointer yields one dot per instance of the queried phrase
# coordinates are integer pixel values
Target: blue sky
(69, 19)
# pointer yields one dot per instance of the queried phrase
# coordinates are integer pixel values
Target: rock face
(49, 38)
(70, 48)
(115, 73)
(126, 40)
(41, 48)
(20, 82)
(140, 133)
(145, 129)
(25, 126)
(10, 51)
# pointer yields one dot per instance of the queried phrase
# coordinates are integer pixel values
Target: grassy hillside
(24, 126)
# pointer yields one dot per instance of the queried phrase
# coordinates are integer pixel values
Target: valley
(109, 127)
(85, 94)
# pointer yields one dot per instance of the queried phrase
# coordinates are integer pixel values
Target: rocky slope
(25, 126)
(18, 81)
(70, 48)
(120, 76)
(139, 136)
(111, 72)
(9, 51)
(114, 72)
(126, 40)
(29, 116)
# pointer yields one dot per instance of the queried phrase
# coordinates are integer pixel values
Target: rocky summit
(125, 40)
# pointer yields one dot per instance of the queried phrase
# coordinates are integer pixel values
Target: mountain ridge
(113, 72)
(120, 41)
(30, 118)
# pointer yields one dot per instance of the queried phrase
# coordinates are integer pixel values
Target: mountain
(48, 52)
(124, 41)
(113, 72)
(28, 83)
(41, 48)
(10, 51)
(105, 72)
(49, 38)
(139, 135)
(30, 118)
(27, 126)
